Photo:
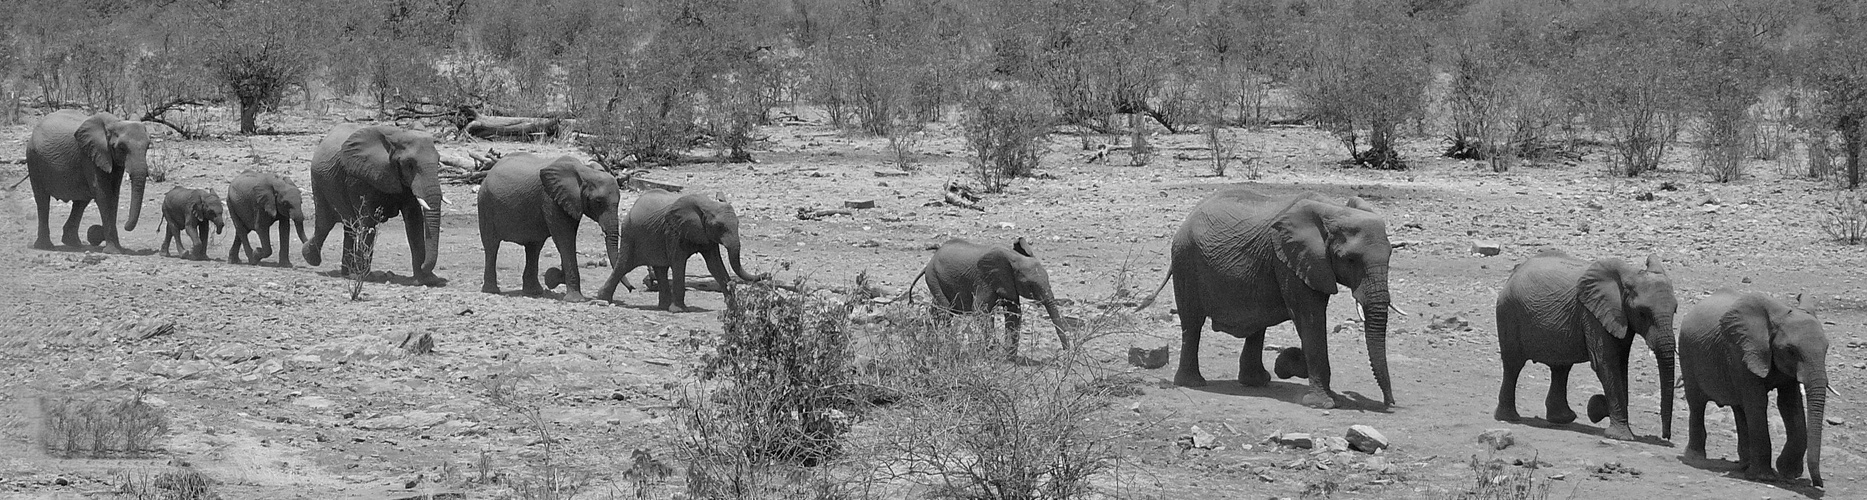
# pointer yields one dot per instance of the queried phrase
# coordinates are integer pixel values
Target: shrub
(100, 427)
(178, 484)
(1005, 125)
(1496, 480)
(1847, 221)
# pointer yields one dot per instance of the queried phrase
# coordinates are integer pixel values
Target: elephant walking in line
(189, 211)
(663, 230)
(82, 158)
(1736, 348)
(527, 198)
(1250, 261)
(964, 277)
(1559, 310)
(257, 200)
(364, 175)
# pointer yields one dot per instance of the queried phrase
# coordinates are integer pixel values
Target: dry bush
(1846, 222)
(100, 427)
(1496, 480)
(549, 476)
(1005, 125)
(178, 484)
(360, 255)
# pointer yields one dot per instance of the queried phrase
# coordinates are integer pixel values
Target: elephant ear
(1357, 203)
(365, 155)
(1021, 247)
(1750, 325)
(1601, 293)
(268, 201)
(563, 186)
(1303, 247)
(94, 137)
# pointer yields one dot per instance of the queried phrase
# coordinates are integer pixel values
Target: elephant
(364, 175)
(188, 210)
(1250, 261)
(1735, 348)
(256, 200)
(964, 277)
(82, 158)
(527, 198)
(1560, 310)
(663, 230)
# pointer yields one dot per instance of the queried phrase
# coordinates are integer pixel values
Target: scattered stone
(1498, 438)
(95, 234)
(1645, 197)
(1836, 421)
(1296, 440)
(1366, 439)
(1611, 469)
(234, 353)
(870, 203)
(890, 173)
(1486, 247)
(1147, 358)
(1329, 444)
(1202, 439)
(1290, 363)
(317, 402)
(412, 420)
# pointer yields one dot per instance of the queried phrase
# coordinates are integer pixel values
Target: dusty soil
(279, 386)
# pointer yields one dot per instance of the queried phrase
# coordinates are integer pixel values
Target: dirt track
(281, 387)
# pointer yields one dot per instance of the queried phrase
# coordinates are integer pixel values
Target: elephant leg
(199, 252)
(1556, 404)
(1014, 319)
(1251, 361)
(1756, 425)
(567, 263)
(489, 279)
(1795, 431)
(167, 236)
(1312, 328)
(530, 276)
(664, 296)
(1743, 437)
(44, 201)
(321, 228)
(415, 226)
(676, 284)
(1192, 322)
(1610, 365)
(71, 223)
(285, 243)
(1695, 422)
(239, 238)
(265, 243)
(349, 250)
(1507, 390)
(716, 267)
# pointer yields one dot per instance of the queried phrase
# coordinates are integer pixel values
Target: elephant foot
(112, 248)
(677, 308)
(1789, 467)
(574, 296)
(71, 240)
(430, 280)
(42, 244)
(1560, 415)
(1318, 399)
(312, 257)
(286, 263)
(1691, 454)
(1761, 473)
(1619, 432)
(532, 290)
(261, 254)
(1186, 378)
(1597, 408)
(489, 288)
(1506, 414)
(1254, 378)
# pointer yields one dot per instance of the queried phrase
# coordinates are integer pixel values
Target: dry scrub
(100, 427)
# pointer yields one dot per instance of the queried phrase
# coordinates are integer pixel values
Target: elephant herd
(1244, 260)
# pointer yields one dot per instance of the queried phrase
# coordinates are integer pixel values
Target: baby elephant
(1735, 348)
(190, 210)
(256, 200)
(966, 277)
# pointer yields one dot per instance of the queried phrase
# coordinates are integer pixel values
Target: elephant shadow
(387, 277)
(1581, 428)
(1293, 393)
(94, 249)
(1730, 469)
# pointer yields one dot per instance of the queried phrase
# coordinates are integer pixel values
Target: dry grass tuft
(100, 427)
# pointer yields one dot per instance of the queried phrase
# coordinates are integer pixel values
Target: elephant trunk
(612, 237)
(139, 173)
(1664, 348)
(731, 242)
(1056, 318)
(431, 217)
(1816, 387)
(1374, 308)
(298, 223)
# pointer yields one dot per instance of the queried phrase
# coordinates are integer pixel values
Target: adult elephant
(257, 200)
(1250, 261)
(965, 277)
(1559, 310)
(83, 158)
(364, 175)
(663, 230)
(527, 198)
(1736, 348)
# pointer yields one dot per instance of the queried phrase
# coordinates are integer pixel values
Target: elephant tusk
(424, 204)
(1831, 390)
(445, 201)
(1397, 309)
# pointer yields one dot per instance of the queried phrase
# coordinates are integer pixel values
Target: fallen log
(516, 127)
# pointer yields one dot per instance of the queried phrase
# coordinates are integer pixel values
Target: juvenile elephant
(663, 230)
(527, 198)
(189, 211)
(364, 175)
(1736, 348)
(257, 200)
(82, 158)
(1251, 261)
(1559, 310)
(964, 277)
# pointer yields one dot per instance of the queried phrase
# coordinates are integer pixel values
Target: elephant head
(398, 161)
(581, 191)
(207, 208)
(284, 200)
(1628, 300)
(1324, 245)
(709, 220)
(1027, 278)
(117, 146)
(1776, 338)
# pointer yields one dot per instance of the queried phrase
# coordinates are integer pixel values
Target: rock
(1147, 358)
(890, 173)
(859, 203)
(95, 234)
(147, 328)
(1366, 439)
(317, 402)
(1498, 438)
(1486, 247)
(234, 353)
(1296, 440)
(1290, 363)
(1331, 444)
(1836, 421)
(183, 370)
(412, 420)
(553, 277)
(1202, 439)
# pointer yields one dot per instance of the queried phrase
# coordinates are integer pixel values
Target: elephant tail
(1156, 294)
(909, 292)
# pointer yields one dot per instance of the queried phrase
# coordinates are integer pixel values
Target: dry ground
(281, 387)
